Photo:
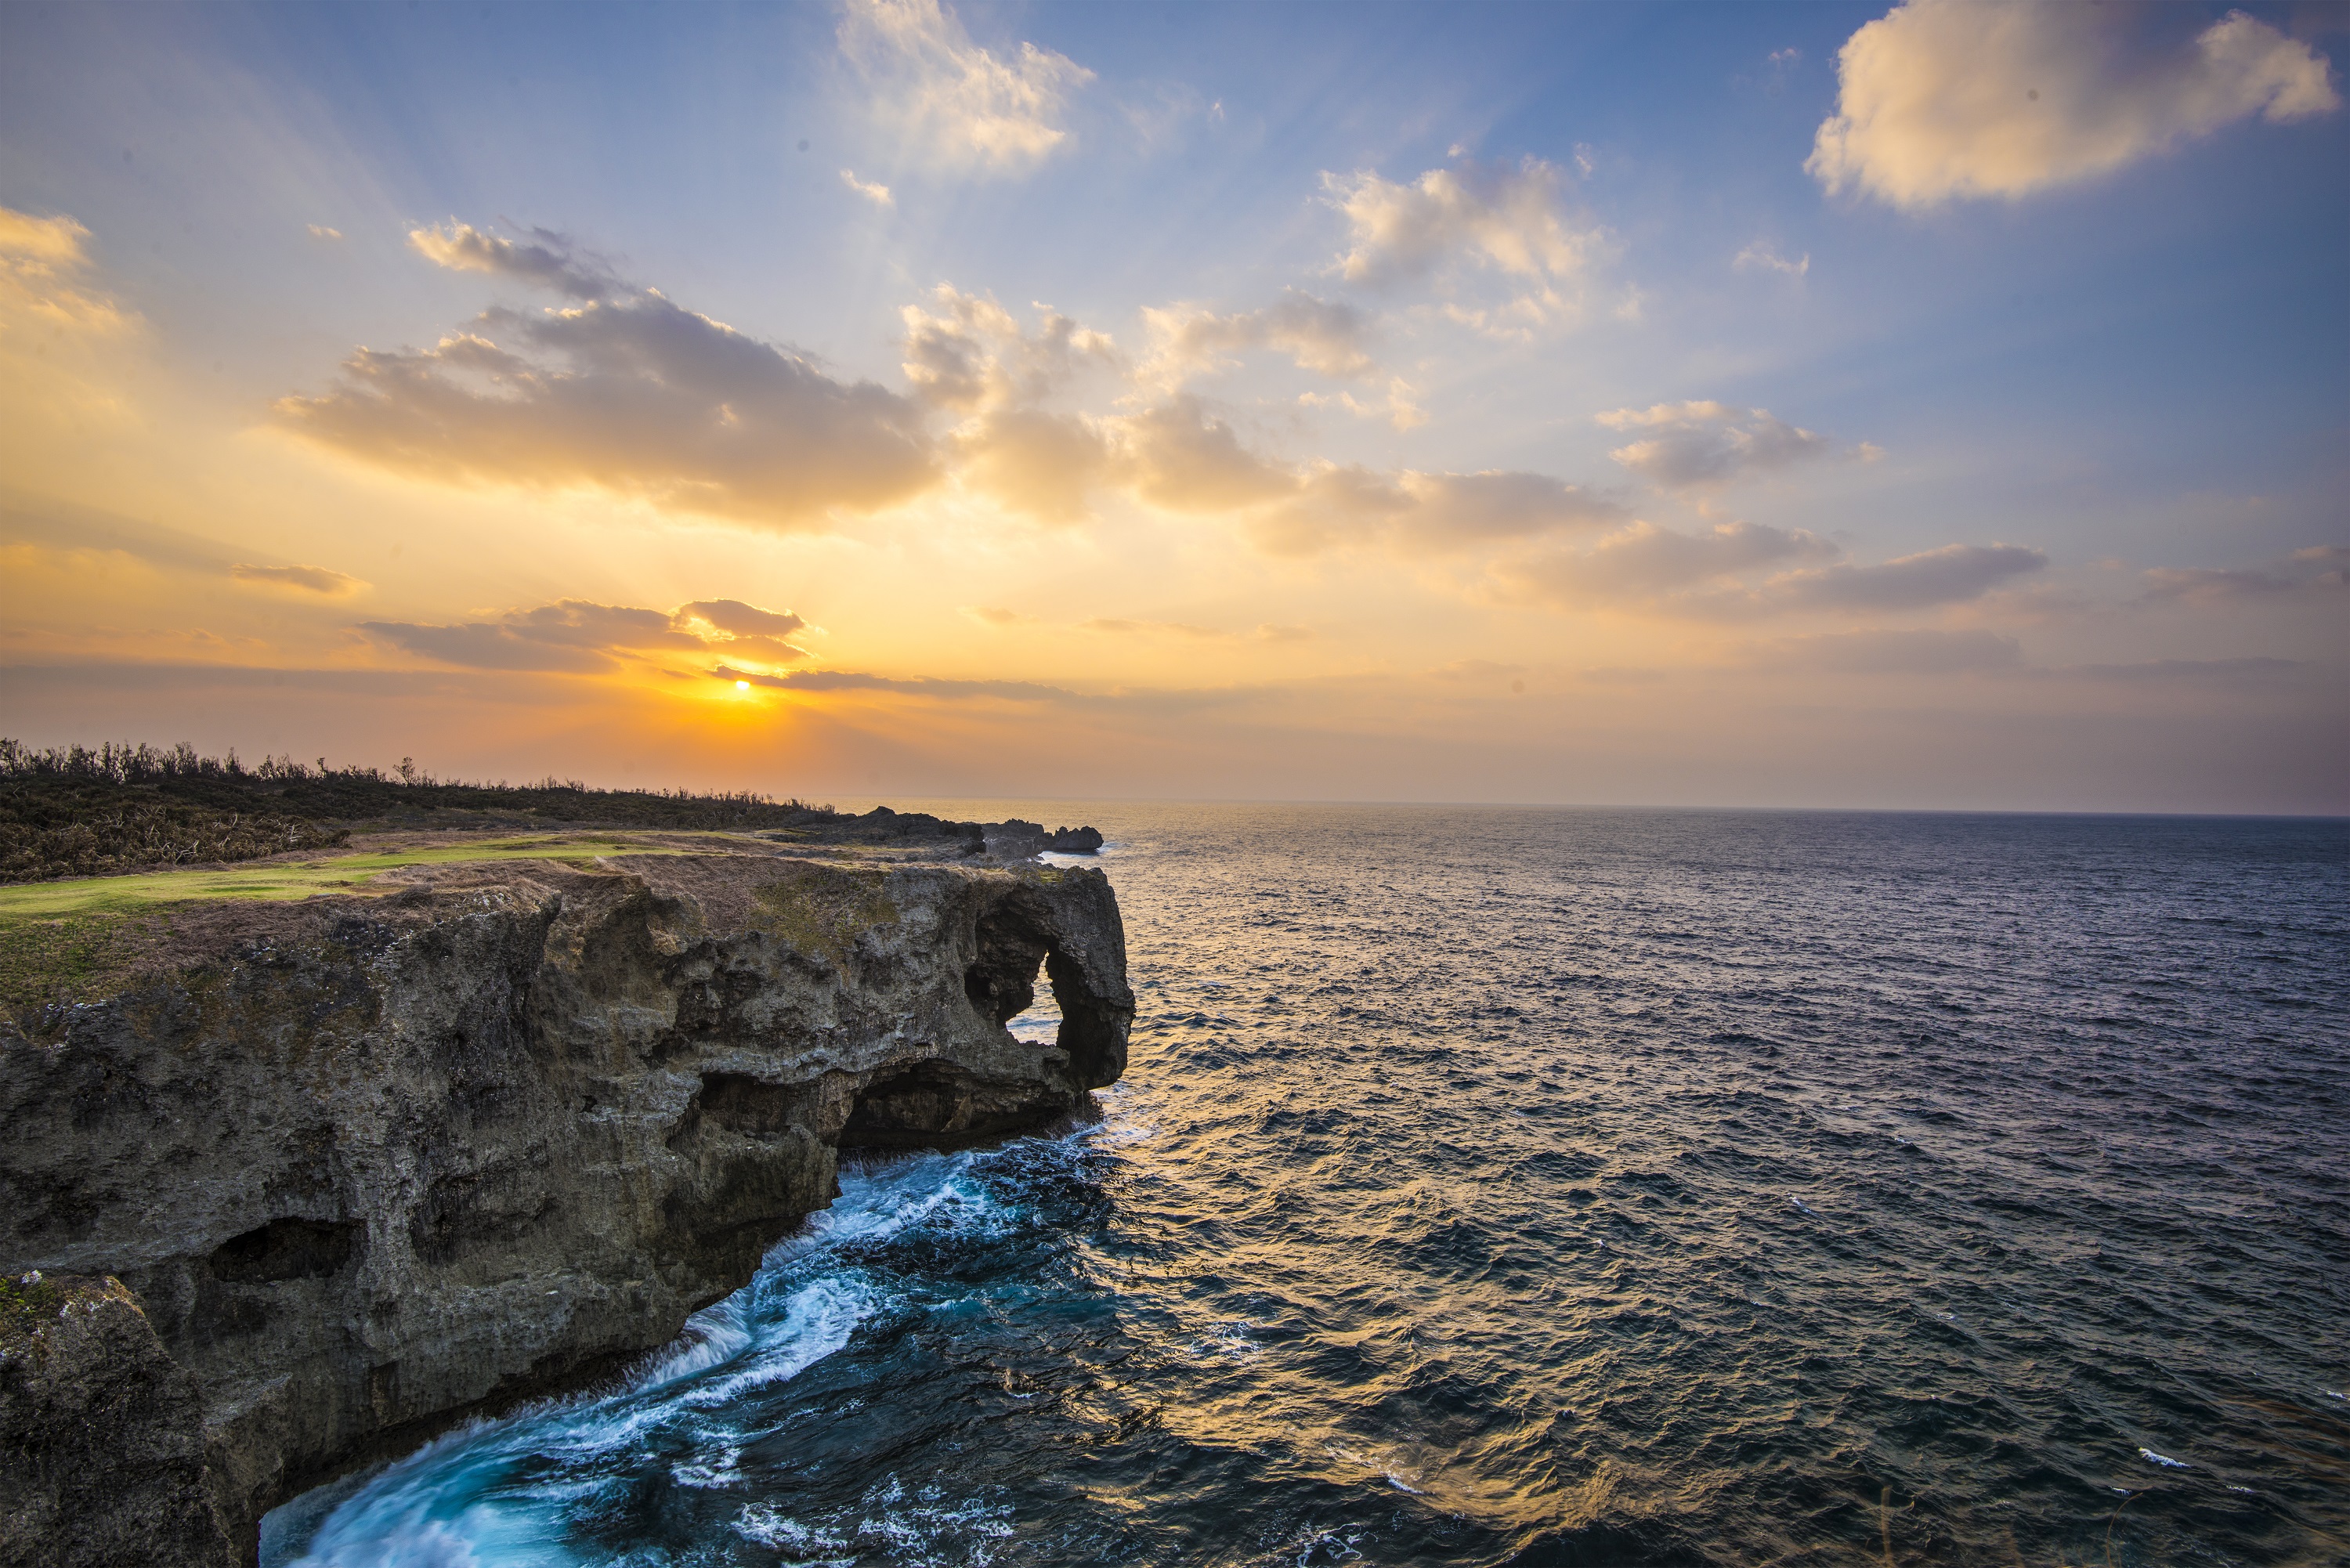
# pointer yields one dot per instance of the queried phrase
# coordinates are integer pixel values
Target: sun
(741, 686)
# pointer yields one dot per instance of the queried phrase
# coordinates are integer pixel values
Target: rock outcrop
(103, 1435)
(373, 1163)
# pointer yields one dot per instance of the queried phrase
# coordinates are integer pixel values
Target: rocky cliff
(372, 1162)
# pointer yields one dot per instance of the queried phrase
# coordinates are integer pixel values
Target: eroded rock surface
(370, 1163)
(101, 1435)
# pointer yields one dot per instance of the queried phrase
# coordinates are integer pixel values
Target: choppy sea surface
(1557, 1187)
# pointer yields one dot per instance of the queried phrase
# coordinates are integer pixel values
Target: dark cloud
(577, 635)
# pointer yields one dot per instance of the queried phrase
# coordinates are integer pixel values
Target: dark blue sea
(1557, 1187)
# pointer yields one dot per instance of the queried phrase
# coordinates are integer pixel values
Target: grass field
(290, 880)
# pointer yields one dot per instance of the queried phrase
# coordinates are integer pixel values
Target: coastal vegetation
(81, 811)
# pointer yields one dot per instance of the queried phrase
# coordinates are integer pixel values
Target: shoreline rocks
(371, 1164)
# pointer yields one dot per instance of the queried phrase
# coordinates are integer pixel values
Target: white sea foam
(459, 1502)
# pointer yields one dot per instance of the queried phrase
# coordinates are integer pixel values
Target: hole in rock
(1015, 942)
(914, 1108)
(285, 1249)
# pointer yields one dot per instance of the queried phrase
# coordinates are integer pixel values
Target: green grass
(293, 880)
(24, 1307)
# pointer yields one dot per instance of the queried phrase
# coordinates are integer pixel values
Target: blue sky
(1440, 374)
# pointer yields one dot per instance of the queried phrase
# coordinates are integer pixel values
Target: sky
(1820, 405)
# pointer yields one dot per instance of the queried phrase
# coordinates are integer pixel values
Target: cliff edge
(370, 1162)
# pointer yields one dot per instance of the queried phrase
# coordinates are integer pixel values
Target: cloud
(953, 101)
(321, 231)
(1322, 336)
(1509, 222)
(1701, 444)
(1043, 464)
(1763, 255)
(1949, 99)
(629, 394)
(1397, 409)
(875, 193)
(1950, 574)
(2321, 568)
(36, 256)
(1710, 575)
(580, 636)
(995, 615)
(547, 262)
(967, 353)
(1884, 652)
(1336, 505)
(1643, 563)
(1180, 458)
(1125, 628)
(919, 686)
(309, 579)
(736, 619)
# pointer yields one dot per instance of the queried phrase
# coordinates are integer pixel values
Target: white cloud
(545, 262)
(1763, 255)
(629, 394)
(966, 352)
(1322, 336)
(954, 102)
(877, 195)
(1946, 99)
(1034, 461)
(1335, 506)
(1397, 409)
(1180, 458)
(1705, 443)
(1509, 222)
(36, 256)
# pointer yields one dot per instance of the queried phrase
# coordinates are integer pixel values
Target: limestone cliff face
(371, 1162)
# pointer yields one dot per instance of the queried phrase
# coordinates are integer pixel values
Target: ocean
(1556, 1187)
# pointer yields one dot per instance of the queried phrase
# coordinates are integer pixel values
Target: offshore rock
(101, 1435)
(371, 1164)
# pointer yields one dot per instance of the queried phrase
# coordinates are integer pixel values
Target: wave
(501, 1493)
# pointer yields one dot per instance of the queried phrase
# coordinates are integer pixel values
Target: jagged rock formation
(373, 1163)
(1015, 839)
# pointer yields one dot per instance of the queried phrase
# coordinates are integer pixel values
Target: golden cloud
(1949, 98)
